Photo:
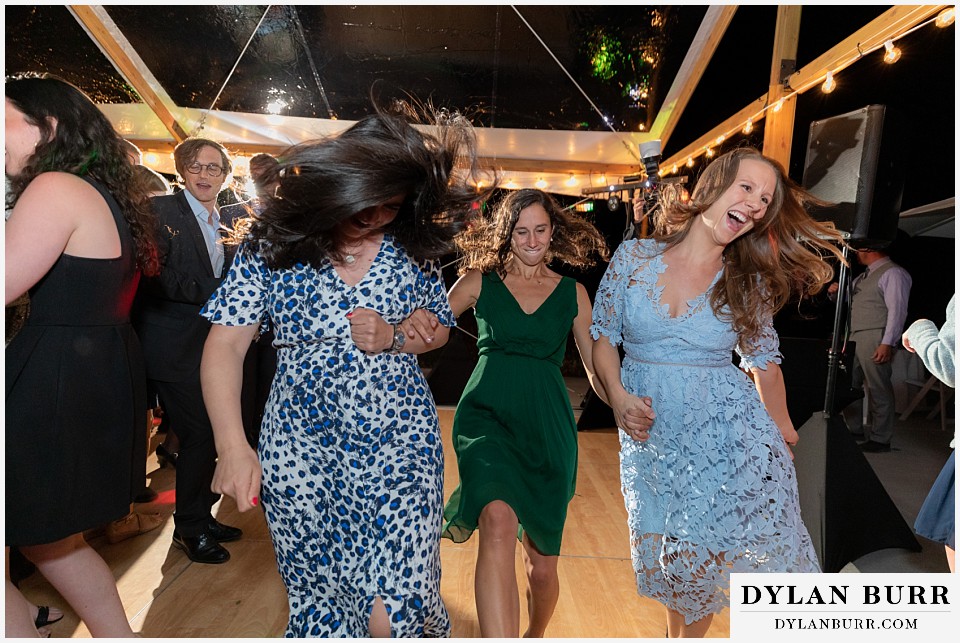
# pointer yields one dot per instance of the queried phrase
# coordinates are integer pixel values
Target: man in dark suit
(260, 364)
(172, 333)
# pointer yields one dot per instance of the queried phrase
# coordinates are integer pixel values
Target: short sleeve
(765, 349)
(609, 303)
(431, 292)
(241, 299)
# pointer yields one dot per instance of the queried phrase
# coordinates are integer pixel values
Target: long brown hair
(85, 144)
(325, 183)
(486, 244)
(782, 256)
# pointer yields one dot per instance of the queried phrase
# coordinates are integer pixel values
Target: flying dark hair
(75, 137)
(784, 251)
(486, 243)
(325, 183)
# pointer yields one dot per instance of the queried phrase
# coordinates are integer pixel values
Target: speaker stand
(842, 502)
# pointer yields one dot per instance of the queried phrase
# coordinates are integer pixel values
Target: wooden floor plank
(167, 596)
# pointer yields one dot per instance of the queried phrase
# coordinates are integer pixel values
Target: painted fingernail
(349, 315)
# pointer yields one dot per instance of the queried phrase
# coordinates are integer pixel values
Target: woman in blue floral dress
(710, 488)
(350, 467)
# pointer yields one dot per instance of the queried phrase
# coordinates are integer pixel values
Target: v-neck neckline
(693, 304)
(542, 303)
(366, 274)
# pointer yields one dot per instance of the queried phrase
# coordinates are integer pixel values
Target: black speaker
(853, 161)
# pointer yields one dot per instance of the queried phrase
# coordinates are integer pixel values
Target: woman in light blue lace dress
(710, 488)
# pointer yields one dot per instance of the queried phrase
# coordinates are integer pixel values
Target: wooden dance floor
(168, 596)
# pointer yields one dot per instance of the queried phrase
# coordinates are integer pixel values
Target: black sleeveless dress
(76, 399)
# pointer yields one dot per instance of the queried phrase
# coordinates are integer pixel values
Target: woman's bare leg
(677, 627)
(495, 584)
(84, 580)
(543, 588)
(379, 620)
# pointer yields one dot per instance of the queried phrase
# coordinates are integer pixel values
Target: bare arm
(423, 325)
(773, 394)
(581, 334)
(221, 377)
(633, 414)
(56, 213)
(372, 334)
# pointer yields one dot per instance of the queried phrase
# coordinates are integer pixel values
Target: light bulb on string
(721, 139)
(748, 127)
(690, 162)
(892, 54)
(541, 184)
(829, 84)
(603, 179)
(674, 169)
(778, 106)
(709, 153)
(946, 17)
(572, 181)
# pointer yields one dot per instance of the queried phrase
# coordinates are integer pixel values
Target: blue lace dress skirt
(714, 489)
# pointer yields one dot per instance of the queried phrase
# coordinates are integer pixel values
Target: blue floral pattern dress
(714, 489)
(350, 444)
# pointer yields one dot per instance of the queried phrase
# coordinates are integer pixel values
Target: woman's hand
(421, 323)
(369, 332)
(238, 475)
(634, 415)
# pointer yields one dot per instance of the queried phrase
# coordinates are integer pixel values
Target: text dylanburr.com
(903, 607)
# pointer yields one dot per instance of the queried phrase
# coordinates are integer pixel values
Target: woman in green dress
(514, 432)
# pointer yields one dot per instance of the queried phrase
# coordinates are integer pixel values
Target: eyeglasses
(212, 169)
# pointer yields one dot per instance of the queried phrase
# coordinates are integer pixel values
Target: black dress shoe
(874, 447)
(201, 549)
(165, 457)
(223, 533)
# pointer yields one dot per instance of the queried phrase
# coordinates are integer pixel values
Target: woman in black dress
(77, 240)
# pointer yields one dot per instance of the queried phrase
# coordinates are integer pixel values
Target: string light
(674, 170)
(572, 181)
(511, 184)
(893, 53)
(829, 84)
(541, 184)
(946, 17)
(603, 179)
(150, 158)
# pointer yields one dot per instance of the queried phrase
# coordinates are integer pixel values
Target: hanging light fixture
(946, 17)
(892, 54)
(690, 162)
(748, 127)
(829, 84)
(572, 181)
(674, 169)
(709, 153)
(541, 184)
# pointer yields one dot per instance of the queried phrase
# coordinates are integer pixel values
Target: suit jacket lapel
(196, 234)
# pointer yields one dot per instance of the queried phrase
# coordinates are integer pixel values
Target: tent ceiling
(533, 78)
